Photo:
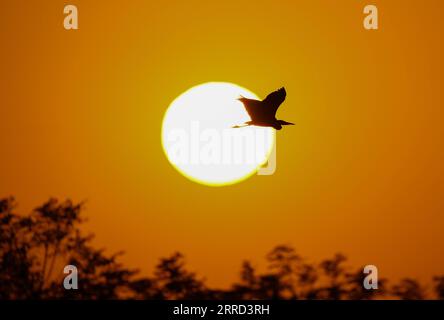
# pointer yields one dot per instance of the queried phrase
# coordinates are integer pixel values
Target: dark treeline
(34, 248)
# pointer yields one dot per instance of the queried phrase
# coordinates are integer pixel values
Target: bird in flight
(263, 113)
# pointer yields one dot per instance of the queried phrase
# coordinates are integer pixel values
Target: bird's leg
(246, 124)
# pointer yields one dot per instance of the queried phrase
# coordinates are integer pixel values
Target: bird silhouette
(263, 113)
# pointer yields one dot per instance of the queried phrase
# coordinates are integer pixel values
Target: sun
(199, 139)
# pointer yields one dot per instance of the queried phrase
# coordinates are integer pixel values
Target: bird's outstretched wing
(253, 107)
(274, 100)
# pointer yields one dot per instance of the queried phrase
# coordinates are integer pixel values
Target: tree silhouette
(31, 247)
(356, 291)
(175, 282)
(409, 289)
(284, 265)
(34, 249)
(18, 279)
(439, 286)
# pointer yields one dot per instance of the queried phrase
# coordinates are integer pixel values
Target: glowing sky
(361, 171)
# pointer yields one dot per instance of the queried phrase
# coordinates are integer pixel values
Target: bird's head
(279, 123)
(285, 123)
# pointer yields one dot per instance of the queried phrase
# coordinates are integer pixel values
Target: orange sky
(361, 172)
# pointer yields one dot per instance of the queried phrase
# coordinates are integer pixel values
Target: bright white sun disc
(199, 141)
